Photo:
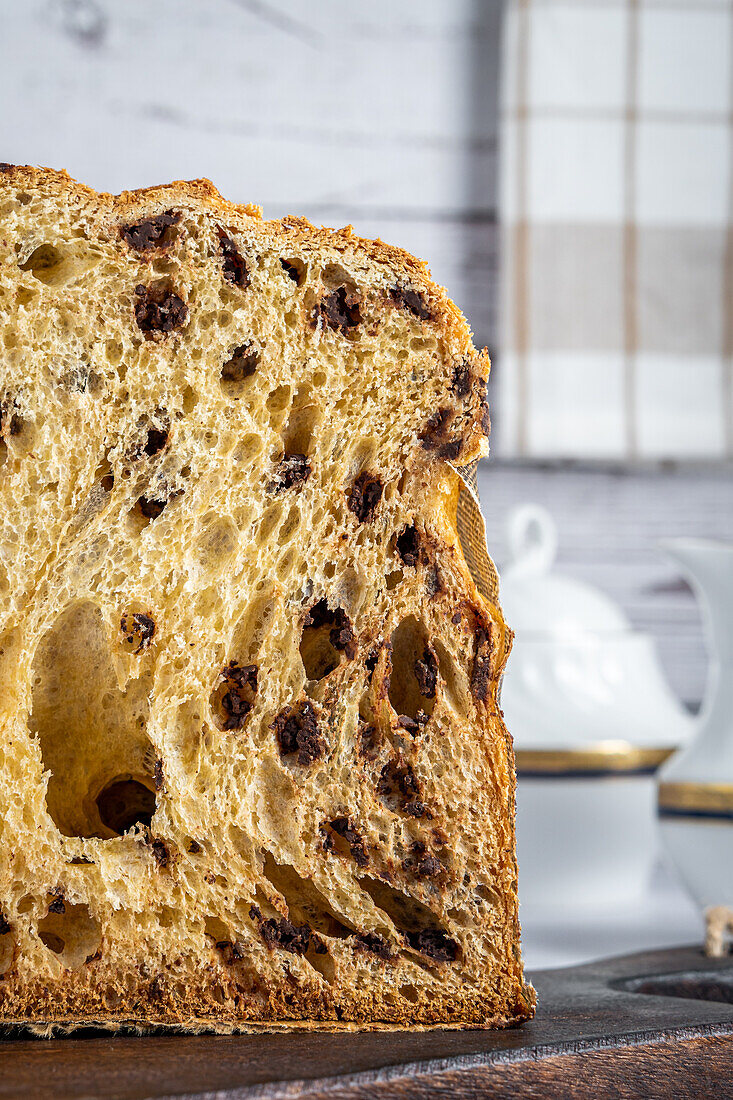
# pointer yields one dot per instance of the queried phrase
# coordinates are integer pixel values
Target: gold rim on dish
(711, 801)
(602, 758)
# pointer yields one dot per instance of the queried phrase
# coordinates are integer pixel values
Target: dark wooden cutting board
(658, 1024)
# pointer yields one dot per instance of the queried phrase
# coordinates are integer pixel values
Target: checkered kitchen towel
(617, 236)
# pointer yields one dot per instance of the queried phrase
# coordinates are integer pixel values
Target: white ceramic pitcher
(695, 794)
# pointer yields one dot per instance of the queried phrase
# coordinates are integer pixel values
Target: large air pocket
(92, 734)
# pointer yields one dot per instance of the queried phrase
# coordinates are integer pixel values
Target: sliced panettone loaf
(253, 771)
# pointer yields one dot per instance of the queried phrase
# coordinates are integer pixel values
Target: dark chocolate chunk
(340, 309)
(461, 382)
(238, 700)
(485, 415)
(341, 634)
(327, 841)
(421, 863)
(160, 852)
(369, 741)
(57, 906)
(416, 808)
(10, 422)
(151, 233)
(138, 628)
(481, 671)
(434, 943)
(365, 495)
(343, 827)
(296, 729)
(293, 469)
(233, 266)
(159, 777)
(241, 364)
(373, 943)
(4, 925)
(398, 783)
(5, 167)
(281, 933)
(435, 435)
(413, 725)
(426, 673)
(409, 299)
(194, 847)
(408, 545)
(160, 309)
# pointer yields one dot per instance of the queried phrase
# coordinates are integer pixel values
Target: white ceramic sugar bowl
(592, 718)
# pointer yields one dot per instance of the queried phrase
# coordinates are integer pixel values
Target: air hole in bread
(71, 933)
(217, 930)
(393, 579)
(90, 730)
(189, 400)
(319, 958)
(56, 266)
(303, 420)
(409, 993)
(152, 504)
(407, 545)
(406, 913)
(25, 295)
(294, 269)
(44, 263)
(238, 367)
(342, 837)
(419, 924)
(125, 803)
(413, 675)
(327, 637)
(277, 404)
(305, 902)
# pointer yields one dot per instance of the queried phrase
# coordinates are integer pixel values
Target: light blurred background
(566, 169)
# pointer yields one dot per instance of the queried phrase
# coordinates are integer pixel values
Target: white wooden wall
(379, 114)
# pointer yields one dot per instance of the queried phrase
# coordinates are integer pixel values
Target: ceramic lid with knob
(582, 689)
(539, 603)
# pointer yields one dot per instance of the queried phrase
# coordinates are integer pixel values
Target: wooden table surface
(657, 1024)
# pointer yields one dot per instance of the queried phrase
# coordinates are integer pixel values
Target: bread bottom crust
(205, 1001)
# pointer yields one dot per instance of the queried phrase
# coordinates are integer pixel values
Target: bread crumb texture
(253, 770)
